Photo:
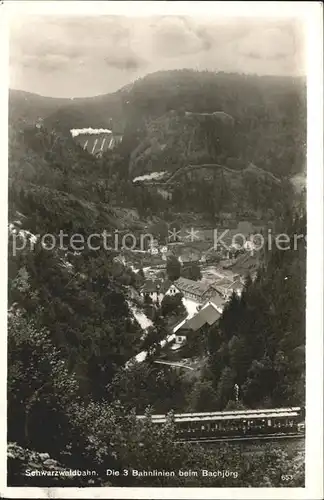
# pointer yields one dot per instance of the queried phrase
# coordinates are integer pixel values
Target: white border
(314, 301)
(4, 85)
(201, 9)
(311, 13)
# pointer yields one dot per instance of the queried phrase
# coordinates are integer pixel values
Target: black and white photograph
(157, 219)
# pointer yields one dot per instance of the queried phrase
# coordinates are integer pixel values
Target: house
(154, 247)
(226, 287)
(155, 289)
(194, 293)
(164, 251)
(217, 302)
(172, 290)
(208, 315)
(236, 287)
(246, 264)
(194, 290)
(151, 289)
(231, 241)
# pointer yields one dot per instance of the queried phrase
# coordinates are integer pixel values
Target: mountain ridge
(172, 120)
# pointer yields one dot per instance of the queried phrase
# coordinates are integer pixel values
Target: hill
(218, 143)
(269, 112)
(176, 138)
(64, 113)
(196, 161)
(50, 173)
(269, 115)
(27, 107)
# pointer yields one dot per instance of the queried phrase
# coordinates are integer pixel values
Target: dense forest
(71, 331)
(268, 112)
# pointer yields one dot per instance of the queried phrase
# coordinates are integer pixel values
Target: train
(236, 423)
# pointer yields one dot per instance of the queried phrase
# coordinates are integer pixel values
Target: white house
(172, 290)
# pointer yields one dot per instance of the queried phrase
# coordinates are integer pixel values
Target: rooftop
(190, 286)
(218, 301)
(245, 264)
(222, 283)
(158, 285)
(236, 285)
(165, 285)
(208, 315)
(150, 286)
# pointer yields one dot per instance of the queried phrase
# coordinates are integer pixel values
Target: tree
(191, 272)
(225, 386)
(173, 305)
(173, 268)
(160, 231)
(141, 273)
(152, 341)
(83, 307)
(260, 342)
(260, 381)
(202, 397)
(234, 406)
(40, 387)
(149, 384)
(20, 460)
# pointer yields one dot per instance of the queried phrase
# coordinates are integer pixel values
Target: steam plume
(76, 131)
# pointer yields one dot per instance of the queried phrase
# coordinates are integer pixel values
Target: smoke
(76, 131)
(148, 177)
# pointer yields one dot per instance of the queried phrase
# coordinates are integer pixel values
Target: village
(208, 278)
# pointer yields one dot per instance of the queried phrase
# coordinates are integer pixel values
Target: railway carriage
(282, 421)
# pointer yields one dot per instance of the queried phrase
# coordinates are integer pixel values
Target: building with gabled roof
(209, 314)
(155, 289)
(195, 290)
(225, 287)
(218, 302)
(246, 264)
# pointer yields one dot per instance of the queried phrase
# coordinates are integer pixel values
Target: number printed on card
(287, 477)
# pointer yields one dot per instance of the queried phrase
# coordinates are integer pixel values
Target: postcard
(163, 206)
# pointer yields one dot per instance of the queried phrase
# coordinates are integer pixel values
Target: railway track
(269, 437)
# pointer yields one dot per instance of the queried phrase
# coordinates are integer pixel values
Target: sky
(86, 56)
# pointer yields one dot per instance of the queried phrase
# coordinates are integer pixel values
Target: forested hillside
(77, 296)
(269, 113)
(260, 340)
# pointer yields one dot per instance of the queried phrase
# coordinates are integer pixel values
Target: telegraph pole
(236, 392)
